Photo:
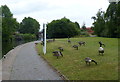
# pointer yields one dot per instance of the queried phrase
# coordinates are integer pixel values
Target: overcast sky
(47, 10)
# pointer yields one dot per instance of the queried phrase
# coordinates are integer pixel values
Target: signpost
(44, 39)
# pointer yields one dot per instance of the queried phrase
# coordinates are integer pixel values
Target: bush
(84, 34)
(25, 37)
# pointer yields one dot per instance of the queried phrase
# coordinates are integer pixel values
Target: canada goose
(101, 44)
(51, 40)
(89, 60)
(57, 54)
(69, 40)
(101, 51)
(4, 56)
(75, 46)
(81, 43)
(60, 48)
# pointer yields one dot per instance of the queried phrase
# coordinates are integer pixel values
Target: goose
(4, 56)
(69, 40)
(81, 43)
(89, 60)
(101, 50)
(101, 44)
(75, 46)
(51, 40)
(57, 53)
(60, 48)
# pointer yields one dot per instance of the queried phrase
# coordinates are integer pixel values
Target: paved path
(27, 65)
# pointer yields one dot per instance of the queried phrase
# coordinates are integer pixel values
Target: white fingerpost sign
(44, 39)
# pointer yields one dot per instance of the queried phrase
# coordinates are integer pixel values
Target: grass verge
(72, 65)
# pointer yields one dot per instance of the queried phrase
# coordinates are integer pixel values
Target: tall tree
(9, 24)
(107, 23)
(118, 19)
(111, 20)
(29, 25)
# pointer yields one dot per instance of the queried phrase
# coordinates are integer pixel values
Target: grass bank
(73, 66)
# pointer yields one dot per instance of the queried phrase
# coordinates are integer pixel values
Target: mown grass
(73, 66)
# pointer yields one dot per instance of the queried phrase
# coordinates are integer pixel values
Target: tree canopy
(9, 24)
(107, 23)
(83, 26)
(62, 28)
(29, 25)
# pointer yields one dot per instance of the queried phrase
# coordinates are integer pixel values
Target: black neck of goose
(94, 62)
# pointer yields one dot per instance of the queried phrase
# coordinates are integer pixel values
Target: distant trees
(99, 23)
(9, 24)
(83, 27)
(84, 31)
(62, 28)
(107, 23)
(29, 25)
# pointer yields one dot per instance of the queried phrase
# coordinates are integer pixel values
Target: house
(89, 30)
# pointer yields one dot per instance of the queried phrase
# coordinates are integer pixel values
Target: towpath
(23, 63)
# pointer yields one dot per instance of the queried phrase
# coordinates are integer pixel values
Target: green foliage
(6, 11)
(99, 22)
(72, 64)
(118, 19)
(84, 27)
(9, 24)
(107, 23)
(29, 25)
(84, 34)
(26, 36)
(62, 28)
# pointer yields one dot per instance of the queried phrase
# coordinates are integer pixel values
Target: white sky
(47, 10)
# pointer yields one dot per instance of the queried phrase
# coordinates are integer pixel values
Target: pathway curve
(27, 65)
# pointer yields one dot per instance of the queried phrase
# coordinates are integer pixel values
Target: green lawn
(73, 66)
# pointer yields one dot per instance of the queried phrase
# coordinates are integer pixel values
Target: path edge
(58, 72)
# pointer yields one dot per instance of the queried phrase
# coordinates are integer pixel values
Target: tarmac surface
(23, 63)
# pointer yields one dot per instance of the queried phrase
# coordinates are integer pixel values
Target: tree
(62, 28)
(9, 24)
(107, 23)
(29, 25)
(111, 20)
(94, 18)
(78, 26)
(84, 27)
(118, 19)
